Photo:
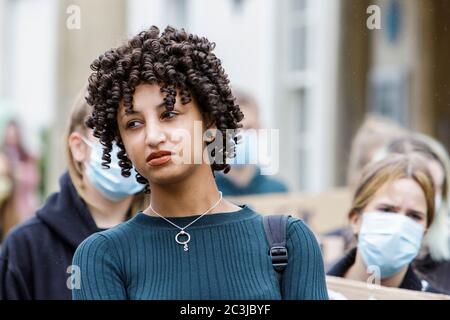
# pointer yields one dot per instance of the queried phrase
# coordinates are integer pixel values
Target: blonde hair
(393, 168)
(78, 115)
(437, 237)
(374, 134)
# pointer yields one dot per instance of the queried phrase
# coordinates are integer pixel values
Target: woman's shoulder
(299, 232)
(96, 246)
(107, 239)
(296, 226)
(25, 243)
(94, 241)
(26, 232)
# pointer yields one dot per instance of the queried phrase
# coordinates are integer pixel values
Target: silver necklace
(182, 232)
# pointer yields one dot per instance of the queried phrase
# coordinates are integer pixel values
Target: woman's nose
(154, 134)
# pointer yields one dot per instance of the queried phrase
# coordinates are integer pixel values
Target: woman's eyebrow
(387, 205)
(126, 113)
(137, 107)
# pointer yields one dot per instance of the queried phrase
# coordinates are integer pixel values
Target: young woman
(189, 243)
(392, 208)
(36, 256)
(433, 264)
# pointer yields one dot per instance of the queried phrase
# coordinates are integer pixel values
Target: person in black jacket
(392, 209)
(36, 257)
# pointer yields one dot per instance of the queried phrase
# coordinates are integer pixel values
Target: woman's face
(154, 137)
(403, 196)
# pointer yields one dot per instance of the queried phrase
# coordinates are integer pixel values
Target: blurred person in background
(392, 209)
(372, 137)
(35, 260)
(25, 171)
(245, 177)
(375, 133)
(8, 217)
(433, 262)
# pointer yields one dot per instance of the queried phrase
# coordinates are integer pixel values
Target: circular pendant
(185, 242)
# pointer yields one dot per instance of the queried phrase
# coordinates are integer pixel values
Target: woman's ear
(355, 222)
(78, 147)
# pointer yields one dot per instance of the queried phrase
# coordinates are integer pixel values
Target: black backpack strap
(275, 229)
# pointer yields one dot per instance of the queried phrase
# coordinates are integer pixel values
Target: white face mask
(389, 241)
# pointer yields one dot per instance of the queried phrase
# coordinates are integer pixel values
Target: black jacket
(437, 273)
(36, 255)
(411, 281)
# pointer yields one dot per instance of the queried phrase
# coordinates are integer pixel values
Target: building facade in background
(314, 67)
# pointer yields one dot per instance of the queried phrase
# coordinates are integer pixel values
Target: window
(307, 80)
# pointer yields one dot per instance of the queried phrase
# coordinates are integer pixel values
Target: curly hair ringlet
(176, 61)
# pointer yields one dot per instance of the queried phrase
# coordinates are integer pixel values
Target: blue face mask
(389, 241)
(109, 182)
(246, 150)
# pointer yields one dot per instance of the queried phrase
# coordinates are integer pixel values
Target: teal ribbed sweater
(227, 259)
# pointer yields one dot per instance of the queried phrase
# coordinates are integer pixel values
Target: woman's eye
(133, 124)
(168, 114)
(415, 217)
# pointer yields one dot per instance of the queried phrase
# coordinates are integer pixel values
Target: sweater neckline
(207, 220)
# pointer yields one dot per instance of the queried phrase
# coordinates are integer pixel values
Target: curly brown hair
(176, 61)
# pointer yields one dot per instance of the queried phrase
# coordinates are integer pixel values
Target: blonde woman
(392, 209)
(36, 256)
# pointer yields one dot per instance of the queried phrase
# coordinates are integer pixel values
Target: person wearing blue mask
(36, 257)
(246, 176)
(392, 208)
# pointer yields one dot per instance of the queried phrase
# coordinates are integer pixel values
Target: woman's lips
(160, 160)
